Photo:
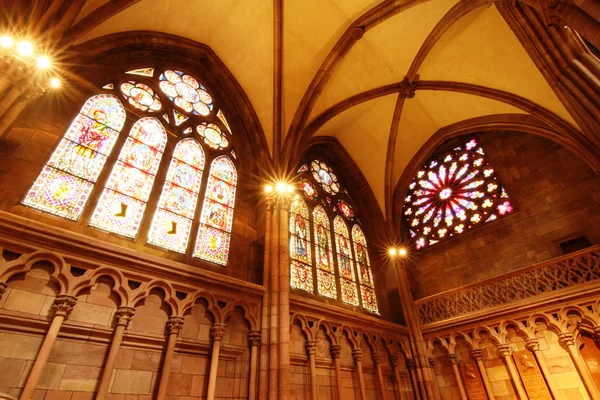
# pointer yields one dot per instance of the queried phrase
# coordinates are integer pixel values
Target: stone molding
(453, 358)
(477, 355)
(532, 345)
(551, 276)
(357, 355)
(378, 358)
(504, 350)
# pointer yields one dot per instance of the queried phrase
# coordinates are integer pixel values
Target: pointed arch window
(214, 234)
(123, 201)
(172, 221)
(301, 276)
(65, 183)
(324, 257)
(363, 265)
(345, 262)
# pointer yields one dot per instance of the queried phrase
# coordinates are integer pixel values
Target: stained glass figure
(323, 254)
(365, 275)
(66, 181)
(212, 136)
(179, 118)
(142, 72)
(123, 201)
(324, 175)
(345, 262)
(108, 86)
(223, 120)
(346, 209)
(141, 96)
(172, 221)
(186, 92)
(451, 194)
(301, 271)
(212, 243)
(309, 190)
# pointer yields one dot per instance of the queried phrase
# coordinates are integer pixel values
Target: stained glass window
(212, 136)
(301, 274)
(365, 275)
(309, 189)
(124, 198)
(186, 92)
(345, 262)
(66, 181)
(212, 242)
(324, 175)
(141, 96)
(323, 254)
(346, 209)
(172, 221)
(451, 194)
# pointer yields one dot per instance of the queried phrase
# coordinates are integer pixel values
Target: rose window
(212, 136)
(325, 176)
(453, 193)
(141, 96)
(186, 92)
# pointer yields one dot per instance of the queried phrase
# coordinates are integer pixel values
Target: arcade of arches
(320, 199)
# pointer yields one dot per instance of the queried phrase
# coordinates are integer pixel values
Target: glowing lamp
(281, 187)
(392, 251)
(402, 252)
(268, 189)
(43, 62)
(25, 49)
(55, 83)
(6, 41)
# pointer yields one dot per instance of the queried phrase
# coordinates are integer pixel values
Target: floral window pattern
(123, 201)
(345, 262)
(186, 92)
(212, 243)
(453, 193)
(172, 221)
(326, 285)
(324, 175)
(141, 96)
(212, 136)
(363, 265)
(67, 179)
(301, 276)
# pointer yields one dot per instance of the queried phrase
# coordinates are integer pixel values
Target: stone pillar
(13, 94)
(174, 325)
(505, 352)
(461, 388)
(15, 110)
(263, 376)
(311, 349)
(63, 305)
(396, 361)
(357, 354)
(216, 333)
(6, 77)
(411, 365)
(336, 350)
(477, 356)
(533, 345)
(274, 305)
(378, 360)
(566, 339)
(124, 316)
(561, 13)
(284, 297)
(254, 340)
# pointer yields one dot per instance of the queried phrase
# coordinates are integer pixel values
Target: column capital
(311, 347)
(3, 287)
(566, 339)
(124, 315)
(477, 354)
(174, 325)
(254, 338)
(63, 305)
(396, 360)
(504, 350)
(378, 358)
(217, 331)
(532, 344)
(453, 358)
(357, 355)
(552, 11)
(411, 364)
(336, 350)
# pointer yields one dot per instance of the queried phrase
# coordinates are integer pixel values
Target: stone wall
(556, 197)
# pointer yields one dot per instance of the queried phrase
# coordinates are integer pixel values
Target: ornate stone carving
(378, 358)
(396, 360)
(407, 89)
(336, 350)
(566, 339)
(254, 338)
(411, 364)
(217, 331)
(453, 358)
(531, 376)
(63, 305)
(311, 347)
(504, 350)
(357, 355)
(552, 11)
(532, 345)
(358, 32)
(477, 355)
(174, 325)
(533, 281)
(124, 315)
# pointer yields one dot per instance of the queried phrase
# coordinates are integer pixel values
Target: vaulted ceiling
(468, 43)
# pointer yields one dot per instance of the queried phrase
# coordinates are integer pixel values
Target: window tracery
(301, 276)
(199, 136)
(452, 193)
